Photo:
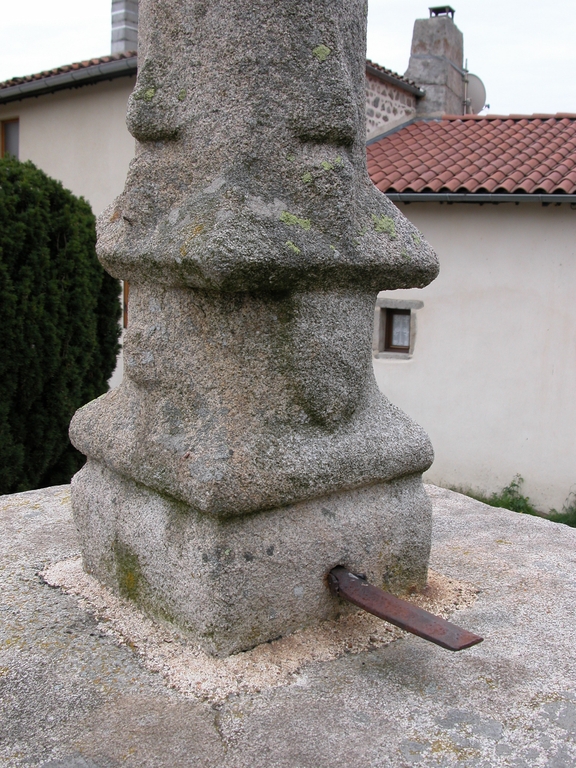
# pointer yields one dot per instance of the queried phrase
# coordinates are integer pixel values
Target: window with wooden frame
(397, 330)
(10, 137)
(395, 327)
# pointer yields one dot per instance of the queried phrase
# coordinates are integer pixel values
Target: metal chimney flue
(442, 10)
(124, 25)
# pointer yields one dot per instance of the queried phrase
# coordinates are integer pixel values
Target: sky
(523, 50)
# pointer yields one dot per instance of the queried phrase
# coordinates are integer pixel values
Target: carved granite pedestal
(248, 450)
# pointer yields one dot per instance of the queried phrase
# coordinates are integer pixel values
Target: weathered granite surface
(71, 698)
(241, 582)
(255, 244)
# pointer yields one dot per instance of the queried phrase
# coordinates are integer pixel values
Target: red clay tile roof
(66, 68)
(475, 154)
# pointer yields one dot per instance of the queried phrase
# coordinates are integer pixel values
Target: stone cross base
(232, 584)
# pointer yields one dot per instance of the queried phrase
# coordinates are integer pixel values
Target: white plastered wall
(493, 372)
(79, 137)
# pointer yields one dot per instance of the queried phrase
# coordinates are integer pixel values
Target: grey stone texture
(254, 244)
(248, 579)
(70, 697)
(436, 62)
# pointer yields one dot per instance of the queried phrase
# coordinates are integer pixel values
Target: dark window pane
(10, 137)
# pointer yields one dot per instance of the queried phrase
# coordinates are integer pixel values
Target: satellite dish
(475, 95)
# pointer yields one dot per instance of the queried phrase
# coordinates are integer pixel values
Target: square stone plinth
(234, 583)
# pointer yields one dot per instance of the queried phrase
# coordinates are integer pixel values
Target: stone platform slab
(71, 697)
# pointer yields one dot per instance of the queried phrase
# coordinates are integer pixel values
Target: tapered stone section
(248, 419)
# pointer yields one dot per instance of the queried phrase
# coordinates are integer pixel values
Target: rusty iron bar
(409, 617)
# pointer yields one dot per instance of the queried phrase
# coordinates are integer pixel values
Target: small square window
(395, 327)
(10, 138)
(397, 334)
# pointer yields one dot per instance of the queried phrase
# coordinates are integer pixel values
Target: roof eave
(108, 70)
(419, 92)
(477, 197)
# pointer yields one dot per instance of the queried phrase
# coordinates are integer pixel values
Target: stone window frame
(379, 336)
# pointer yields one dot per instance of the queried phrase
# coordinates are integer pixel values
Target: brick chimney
(436, 63)
(124, 25)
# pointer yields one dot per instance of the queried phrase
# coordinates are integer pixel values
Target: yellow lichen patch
(322, 52)
(438, 746)
(193, 232)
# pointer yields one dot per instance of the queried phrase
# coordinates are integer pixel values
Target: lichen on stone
(182, 94)
(293, 247)
(145, 95)
(307, 177)
(326, 165)
(292, 220)
(384, 224)
(322, 52)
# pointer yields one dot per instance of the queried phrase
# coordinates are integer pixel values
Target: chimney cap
(442, 10)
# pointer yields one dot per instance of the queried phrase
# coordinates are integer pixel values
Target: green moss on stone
(326, 165)
(182, 94)
(292, 220)
(384, 224)
(416, 238)
(128, 571)
(307, 177)
(322, 52)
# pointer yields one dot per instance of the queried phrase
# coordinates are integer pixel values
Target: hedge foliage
(59, 313)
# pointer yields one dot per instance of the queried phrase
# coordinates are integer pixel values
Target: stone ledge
(72, 697)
